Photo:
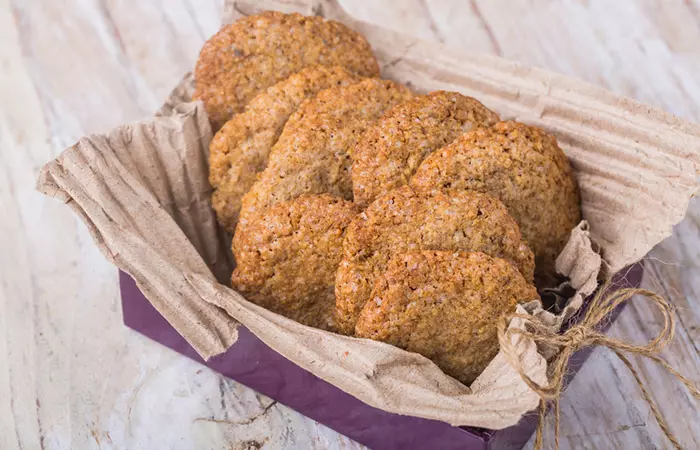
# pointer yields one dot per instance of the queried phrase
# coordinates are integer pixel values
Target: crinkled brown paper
(143, 192)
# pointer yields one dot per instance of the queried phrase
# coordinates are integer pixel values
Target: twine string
(586, 334)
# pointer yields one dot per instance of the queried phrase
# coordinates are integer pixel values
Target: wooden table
(72, 376)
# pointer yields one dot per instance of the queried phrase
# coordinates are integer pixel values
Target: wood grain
(72, 376)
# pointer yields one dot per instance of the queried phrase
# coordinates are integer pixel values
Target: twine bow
(585, 334)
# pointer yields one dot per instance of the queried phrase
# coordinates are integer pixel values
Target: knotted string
(586, 334)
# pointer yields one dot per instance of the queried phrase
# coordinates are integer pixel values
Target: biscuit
(404, 220)
(287, 257)
(240, 149)
(388, 153)
(522, 166)
(312, 156)
(256, 52)
(444, 306)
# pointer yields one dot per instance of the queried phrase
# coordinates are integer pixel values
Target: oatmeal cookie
(444, 306)
(287, 257)
(256, 52)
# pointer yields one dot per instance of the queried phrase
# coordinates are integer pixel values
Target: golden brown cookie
(240, 149)
(287, 257)
(256, 52)
(522, 166)
(445, 306)
(312, 156)
(404, 220)
(389, 152)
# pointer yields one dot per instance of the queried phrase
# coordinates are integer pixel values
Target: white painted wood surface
(72, 376)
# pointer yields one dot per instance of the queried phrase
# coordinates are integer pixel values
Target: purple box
(254, 364)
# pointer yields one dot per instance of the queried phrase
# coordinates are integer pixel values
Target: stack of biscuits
(359, 207)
